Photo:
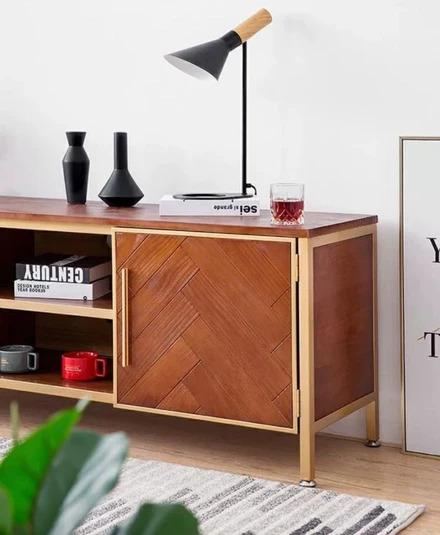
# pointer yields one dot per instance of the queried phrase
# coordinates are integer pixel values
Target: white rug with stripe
(228, 504)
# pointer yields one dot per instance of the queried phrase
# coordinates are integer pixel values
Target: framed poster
(420, 293)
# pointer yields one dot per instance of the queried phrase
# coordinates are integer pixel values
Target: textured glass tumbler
(287, 203)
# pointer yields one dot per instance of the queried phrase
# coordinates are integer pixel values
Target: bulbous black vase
(76, 166)
(120, 189)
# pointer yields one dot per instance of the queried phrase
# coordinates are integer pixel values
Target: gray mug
(18, 359)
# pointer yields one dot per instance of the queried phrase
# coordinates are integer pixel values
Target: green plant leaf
(5, 513)
(24, 468)
(160, 519)
(86, 468)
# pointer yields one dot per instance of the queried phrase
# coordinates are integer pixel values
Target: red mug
(83, 366)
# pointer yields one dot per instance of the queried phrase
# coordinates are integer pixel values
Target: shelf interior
(48, 380)
(57, 334)
(54, 324)
(18, 245)
(99, 308)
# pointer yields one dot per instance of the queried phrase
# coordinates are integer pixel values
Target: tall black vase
(76, 166)
(120, 189)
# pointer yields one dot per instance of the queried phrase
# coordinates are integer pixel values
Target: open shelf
(48, 380)
(99, 308)
(19, 245)
(59, 325)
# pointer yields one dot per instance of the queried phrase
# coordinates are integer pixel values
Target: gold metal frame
(54, 307)
(308, 425)
(294, 278)
(55, 390)
(306, 363)
(53, 226)
(302, 333)
(402, 140)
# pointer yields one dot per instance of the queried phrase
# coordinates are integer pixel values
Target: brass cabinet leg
(373, 407)
(373, 425)
(306, 367)
(307, 456)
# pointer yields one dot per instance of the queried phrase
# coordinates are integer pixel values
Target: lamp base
(211, 196)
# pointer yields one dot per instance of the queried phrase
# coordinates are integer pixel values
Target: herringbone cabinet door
(209, 326)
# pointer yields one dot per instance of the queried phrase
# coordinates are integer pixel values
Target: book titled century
(69, 269)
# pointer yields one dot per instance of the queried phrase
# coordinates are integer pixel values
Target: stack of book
(63, 277)
(244, 207)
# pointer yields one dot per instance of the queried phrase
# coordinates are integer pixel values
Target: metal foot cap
(307, 483)
(372, 444)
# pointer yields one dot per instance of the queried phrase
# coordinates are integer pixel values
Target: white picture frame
(420, 293)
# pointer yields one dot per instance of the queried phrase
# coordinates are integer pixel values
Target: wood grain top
(147, 216)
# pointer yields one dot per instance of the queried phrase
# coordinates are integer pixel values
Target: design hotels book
(62, 290)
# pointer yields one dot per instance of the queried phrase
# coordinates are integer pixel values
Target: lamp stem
(244, 121)
(245, 185)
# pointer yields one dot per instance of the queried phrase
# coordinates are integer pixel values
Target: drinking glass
(287, 203)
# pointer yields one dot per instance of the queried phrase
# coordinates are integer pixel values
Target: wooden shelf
(97, 218)
(48, 381)
(99, 308)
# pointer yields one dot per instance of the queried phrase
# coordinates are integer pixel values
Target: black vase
(120, 189)
(76, 166)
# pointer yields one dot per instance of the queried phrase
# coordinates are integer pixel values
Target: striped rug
(228, 504)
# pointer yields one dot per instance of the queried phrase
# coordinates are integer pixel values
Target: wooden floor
(342, 465)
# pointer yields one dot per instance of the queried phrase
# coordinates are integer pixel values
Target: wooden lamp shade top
(253, 24)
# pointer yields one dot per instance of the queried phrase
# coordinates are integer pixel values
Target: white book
(62, 290)
(250, 206)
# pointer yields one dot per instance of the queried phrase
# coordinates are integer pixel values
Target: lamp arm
(245, 185)
(253, 24)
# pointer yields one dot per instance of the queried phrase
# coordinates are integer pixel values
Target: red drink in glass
(287, 203)
(287, 212)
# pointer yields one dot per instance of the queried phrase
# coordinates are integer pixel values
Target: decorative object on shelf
(76, 166)
(206, 61)
(120, 189)
(51, 267)
(287, 203)
(18, 359)
(83, 366)
(169, 205)
(58, 276)
(62, 290)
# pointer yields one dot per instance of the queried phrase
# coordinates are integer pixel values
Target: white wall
(331, 87)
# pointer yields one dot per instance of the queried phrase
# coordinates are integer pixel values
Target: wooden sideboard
(231, 320)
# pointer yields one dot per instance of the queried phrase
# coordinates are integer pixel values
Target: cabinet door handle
(125, 320)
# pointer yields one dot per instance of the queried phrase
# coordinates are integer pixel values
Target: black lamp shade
(206, 60)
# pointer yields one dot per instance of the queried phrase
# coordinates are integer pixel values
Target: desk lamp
(206, 61)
